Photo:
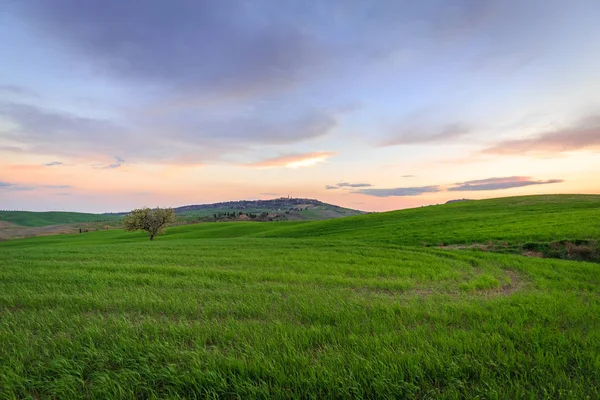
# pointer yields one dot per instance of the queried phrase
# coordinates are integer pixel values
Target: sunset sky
(375, 105)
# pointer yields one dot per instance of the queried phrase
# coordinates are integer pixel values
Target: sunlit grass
(211, 311)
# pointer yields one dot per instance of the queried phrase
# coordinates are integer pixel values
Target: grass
(220, 311)
(33, 219)
(511, 220)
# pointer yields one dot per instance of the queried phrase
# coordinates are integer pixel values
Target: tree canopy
(151, 220)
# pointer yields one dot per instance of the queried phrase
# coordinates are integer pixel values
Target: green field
(30, 218)
(511, 219)
(358, 307)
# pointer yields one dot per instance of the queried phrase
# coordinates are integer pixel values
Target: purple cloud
(191, 139)
(19, 187)
(347, 185)
(585, 134)
(119, 162)
(353, 185)
(14, 187)
(417, 136)
(499, 184)
(399, 192)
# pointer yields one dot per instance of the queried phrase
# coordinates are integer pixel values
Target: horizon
(309, 199)
(106, 107)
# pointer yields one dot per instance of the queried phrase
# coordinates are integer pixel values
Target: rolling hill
(281, 209)
(362, 307)
(23, 224)
(511, 219)
(35, 219)
(285, 209)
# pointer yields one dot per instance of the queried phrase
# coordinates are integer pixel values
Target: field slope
(33, 219)
(352, 308)
(510, 219)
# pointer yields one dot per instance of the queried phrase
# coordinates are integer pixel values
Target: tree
(150, 220)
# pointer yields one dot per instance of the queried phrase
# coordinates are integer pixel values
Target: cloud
(241, 47)
(20, 187)
(44, 131)
(209, 46)
(110, 166)
(342, 185)
(353, 185)
(408, 176)
(57, 186)
(263, 62)
(294, 160)
(118, 164)
(423, 135)
(17, 90)
(14, 187)
(468, 186)
(499, 183)
(584, 135)
(12, 149)
(186, 139)
(53, 164)
(399, 192)
(36, 123)
(268, 128)
(269, 66)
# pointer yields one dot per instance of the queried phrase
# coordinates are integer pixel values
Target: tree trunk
(151, 237)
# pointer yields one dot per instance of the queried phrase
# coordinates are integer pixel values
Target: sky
(376, 105)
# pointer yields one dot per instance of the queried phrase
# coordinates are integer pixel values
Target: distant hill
(281, 209)
(457, 201)
(553, 226)
(33, 219)
(282, 203)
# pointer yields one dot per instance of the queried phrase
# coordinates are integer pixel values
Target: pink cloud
(294, 160)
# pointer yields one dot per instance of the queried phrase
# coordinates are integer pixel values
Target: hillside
(24, 224)
(509, 219)
(335, 309)
(539, 225)
(281, 204)
(281, 209)
(34, 219)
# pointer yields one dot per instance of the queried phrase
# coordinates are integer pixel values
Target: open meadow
(426, 303)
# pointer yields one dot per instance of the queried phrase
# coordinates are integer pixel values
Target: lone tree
(151, 220)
